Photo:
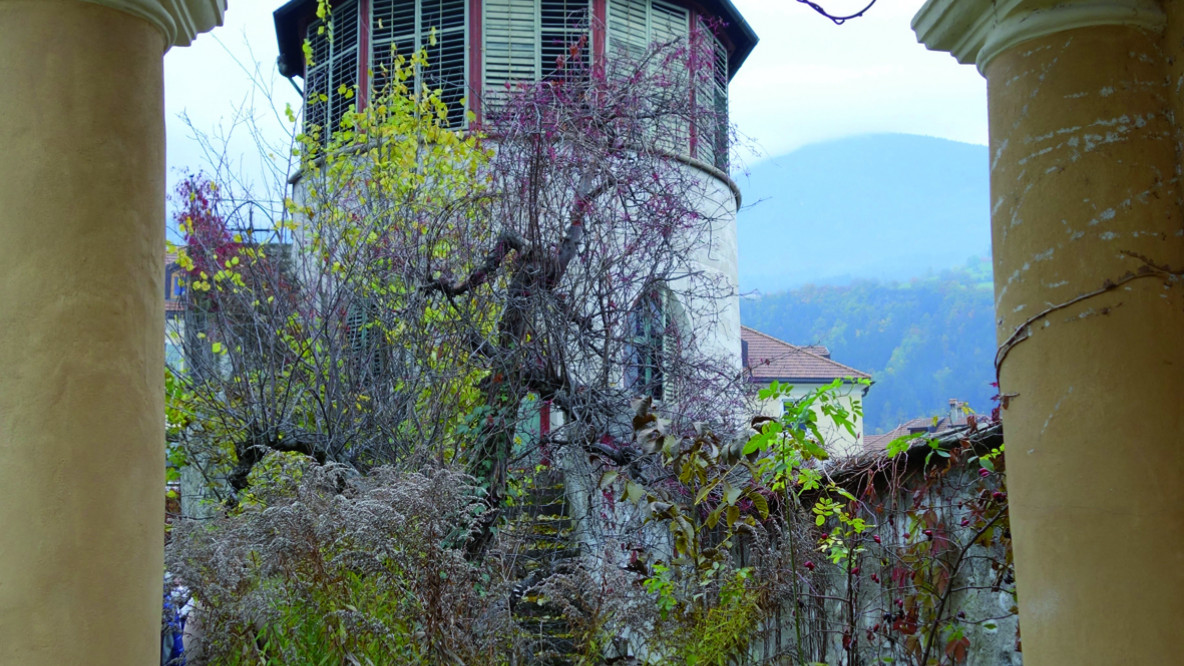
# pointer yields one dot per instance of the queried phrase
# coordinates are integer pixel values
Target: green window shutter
(644, 363)
(511, 45)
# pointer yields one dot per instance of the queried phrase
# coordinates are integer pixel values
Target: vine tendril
(837, 20)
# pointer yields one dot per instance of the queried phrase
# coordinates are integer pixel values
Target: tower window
(646, 344)
(331, 78)
(533, 40)
(520, 41)
(711, 97)
(405, 27)
(395, 26)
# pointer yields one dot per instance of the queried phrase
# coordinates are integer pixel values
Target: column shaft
(1086, 217)
(81, 334)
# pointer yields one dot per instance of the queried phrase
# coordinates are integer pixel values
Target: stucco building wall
(837, 440)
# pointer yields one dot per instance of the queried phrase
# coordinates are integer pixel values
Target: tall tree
(427, 289)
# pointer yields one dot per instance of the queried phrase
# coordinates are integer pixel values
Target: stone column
(1088, 243)
(81, 325)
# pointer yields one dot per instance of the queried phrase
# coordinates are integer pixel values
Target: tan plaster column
(1087, 229)
(81, 326)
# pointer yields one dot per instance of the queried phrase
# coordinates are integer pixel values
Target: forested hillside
(924, 341)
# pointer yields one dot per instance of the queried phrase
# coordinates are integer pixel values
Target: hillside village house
(767, 359)
(954, 418)
(1088, 250)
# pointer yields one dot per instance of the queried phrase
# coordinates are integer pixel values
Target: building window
(636, 26)
(331, 78)
(645, 346)
(402, 27)
(564, 42)
(521, 41)
(711, 97)
(532, 40)
(405, 27)
(365, 334)
(174, 289)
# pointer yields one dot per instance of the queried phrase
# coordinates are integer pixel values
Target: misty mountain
(883, 206)
(861, 244)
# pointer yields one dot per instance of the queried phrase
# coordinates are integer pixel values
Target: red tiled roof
(769, 358)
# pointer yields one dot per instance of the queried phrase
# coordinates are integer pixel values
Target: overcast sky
(807, 81)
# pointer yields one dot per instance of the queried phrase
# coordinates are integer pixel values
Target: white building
(806, 369)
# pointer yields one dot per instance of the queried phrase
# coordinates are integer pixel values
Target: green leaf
(713, 517)
(813, 449)
(762, 505)
(607, 479)
(703, 492)
(900, 445)
(755, 443)
(633, 492)
(731, 494)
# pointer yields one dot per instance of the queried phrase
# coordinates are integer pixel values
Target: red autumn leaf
(957, 649)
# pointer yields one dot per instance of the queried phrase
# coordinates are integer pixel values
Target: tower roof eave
(742, 36)
(291, 18)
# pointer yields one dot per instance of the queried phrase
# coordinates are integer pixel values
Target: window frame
(648, 325)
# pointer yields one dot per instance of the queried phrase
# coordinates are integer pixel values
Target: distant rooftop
(930, 425)
(766, 358)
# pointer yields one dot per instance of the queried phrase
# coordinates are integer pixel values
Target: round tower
(480, 51)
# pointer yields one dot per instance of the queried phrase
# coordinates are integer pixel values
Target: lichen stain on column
(1065, 113)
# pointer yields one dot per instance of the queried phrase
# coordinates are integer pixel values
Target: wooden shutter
(669, 31)
(404, 27)
(316, 78)
(511, 51)
(392, 30)
(721, 105)
(628, 28)
(668, 23)
(711, 98)
(644, 362)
